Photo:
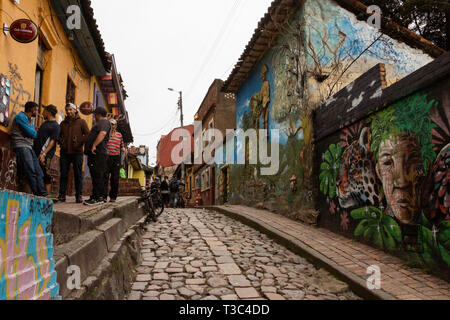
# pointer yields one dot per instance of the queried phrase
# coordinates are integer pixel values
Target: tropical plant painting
(391, 173)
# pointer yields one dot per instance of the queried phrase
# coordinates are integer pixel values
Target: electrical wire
(12, 19)
(211, 53)
(171, 122)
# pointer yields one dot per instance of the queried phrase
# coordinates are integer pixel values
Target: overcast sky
(176, 44)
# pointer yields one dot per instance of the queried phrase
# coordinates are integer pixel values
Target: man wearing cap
(115, 146)
(45, 143)
(74, 132)
(96, 149)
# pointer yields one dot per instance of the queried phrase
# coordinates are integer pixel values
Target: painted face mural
(400, 169)
(387, 181)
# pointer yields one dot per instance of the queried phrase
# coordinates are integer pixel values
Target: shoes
(51, 198)
(91, 202)
(62, 199)
(112, 200)
(79, 200)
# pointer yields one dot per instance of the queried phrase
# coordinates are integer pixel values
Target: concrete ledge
(113, 230)
(112, 279)
(65, 227)
(99, 253)
(355, 283)
(61, 271)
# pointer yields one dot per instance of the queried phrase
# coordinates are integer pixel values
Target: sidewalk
(344, 257)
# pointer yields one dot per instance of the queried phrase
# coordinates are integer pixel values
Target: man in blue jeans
(22, 139)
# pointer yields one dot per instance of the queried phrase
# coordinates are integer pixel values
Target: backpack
(174, 186)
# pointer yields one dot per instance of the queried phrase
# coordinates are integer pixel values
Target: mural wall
(27, 267)
(386, 179)
(313, 58)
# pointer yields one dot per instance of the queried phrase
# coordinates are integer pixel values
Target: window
(205, 180)
(210, 134)
(70, 91)
(204, 142)
(38, 95)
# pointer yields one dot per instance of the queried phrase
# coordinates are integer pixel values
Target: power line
(171, 122)
(216, 43)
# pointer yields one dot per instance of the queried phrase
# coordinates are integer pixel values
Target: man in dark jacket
(96, 149)
(45, 143)
(22, 135)
(74, 132)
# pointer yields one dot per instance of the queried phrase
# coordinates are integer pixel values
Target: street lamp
(180, 106)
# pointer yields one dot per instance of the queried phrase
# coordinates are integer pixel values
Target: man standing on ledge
(23, 134)
(74, 132)
(97, 151)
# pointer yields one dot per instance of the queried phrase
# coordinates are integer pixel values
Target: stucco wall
(27, 267)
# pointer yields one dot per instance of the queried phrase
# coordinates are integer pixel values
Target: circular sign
(87, 108)
(23, 30)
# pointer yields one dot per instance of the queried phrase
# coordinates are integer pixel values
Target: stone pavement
(195, 254)
(350, 257)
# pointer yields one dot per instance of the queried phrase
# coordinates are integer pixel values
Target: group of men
(35, 150)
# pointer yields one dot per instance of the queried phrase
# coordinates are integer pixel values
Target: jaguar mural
(388, 180)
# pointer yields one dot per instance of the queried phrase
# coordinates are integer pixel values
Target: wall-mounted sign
(23, 30)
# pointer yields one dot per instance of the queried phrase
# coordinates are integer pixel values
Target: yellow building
(62, 65)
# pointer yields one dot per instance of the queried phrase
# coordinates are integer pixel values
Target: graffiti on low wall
(386, 179)
(27, 267)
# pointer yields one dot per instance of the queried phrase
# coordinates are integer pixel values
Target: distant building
(217, 111)
(165, 165)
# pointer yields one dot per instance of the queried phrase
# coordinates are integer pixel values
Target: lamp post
(180, 106)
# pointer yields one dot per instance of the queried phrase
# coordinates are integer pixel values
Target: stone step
(71, 220)
(99, 233)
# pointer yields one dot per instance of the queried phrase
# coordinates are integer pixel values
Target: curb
(355, 283)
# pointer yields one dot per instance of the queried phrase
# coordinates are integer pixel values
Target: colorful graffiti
(313, 58)
(388, 180)
(27, 268)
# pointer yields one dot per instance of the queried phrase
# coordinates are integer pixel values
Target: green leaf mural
(444, 241)
(377, 228)
(329, 170)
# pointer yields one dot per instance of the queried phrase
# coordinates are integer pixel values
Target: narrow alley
(196, 254)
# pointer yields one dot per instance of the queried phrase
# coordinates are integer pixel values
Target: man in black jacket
(97, 151)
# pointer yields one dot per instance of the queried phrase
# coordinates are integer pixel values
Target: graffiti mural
(19, 96)
(321, 49)
(27, 267)
(387, 181)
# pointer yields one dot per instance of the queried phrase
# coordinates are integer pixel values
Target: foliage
(435, 242)
(429, 18)
(329, 170)
(413, 117)
(383, 126)
(410, 116)
(377, 228)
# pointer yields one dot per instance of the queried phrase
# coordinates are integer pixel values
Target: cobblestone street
(195, 254)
